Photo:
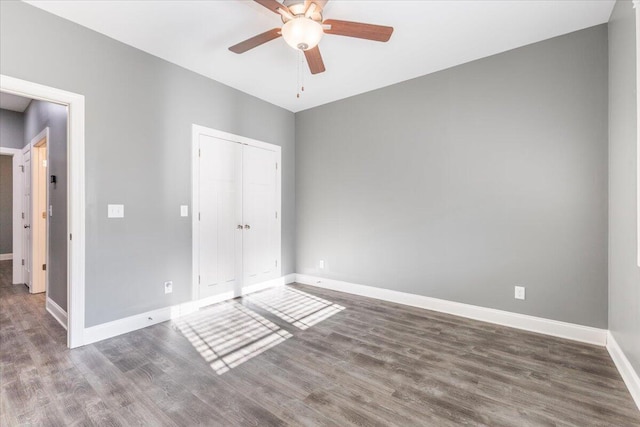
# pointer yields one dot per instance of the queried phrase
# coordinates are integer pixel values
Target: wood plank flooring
(302, 356)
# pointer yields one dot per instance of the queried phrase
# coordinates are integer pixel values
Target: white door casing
(236, 213)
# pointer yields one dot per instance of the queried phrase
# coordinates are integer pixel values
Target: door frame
(16, 165)
(198, 130)
(75, 194)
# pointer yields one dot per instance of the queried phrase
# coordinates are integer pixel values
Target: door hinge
(276, 214)
(44, 215)
(22, 215)
(22, 168)
(198, 280)
(198, 216)
(276, 263)
(44, 267)
(70, 236)
(22, 262)
(199, 153)
(276, 165)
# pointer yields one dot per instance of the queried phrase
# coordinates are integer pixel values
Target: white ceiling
(429, 36)
(12, 102)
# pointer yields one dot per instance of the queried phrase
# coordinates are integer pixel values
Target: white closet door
(220, 216)
(26, 215)
(259, 195)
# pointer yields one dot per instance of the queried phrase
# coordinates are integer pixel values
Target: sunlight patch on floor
(229, 334)
(294, 306)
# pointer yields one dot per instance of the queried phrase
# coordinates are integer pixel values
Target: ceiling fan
(303, 28)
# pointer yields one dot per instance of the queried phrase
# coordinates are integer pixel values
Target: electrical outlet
(321, 264)
(184, 210)
(115, 211)
(519, 294)
(168, 287)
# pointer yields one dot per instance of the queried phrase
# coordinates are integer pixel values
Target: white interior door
(39, 217)
(220, 216)
(26, 217)
(260, 214)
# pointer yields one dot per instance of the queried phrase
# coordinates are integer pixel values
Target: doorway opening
(40, 129)
(48, 150)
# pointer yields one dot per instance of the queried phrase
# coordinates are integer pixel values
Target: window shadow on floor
(230, 333)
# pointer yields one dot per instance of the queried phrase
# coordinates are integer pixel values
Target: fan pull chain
(300, 74)
(302, 70)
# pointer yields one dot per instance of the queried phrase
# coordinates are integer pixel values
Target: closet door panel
(220, 214)
(260, 251)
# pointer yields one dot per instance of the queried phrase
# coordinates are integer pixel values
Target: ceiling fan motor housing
(297, 8)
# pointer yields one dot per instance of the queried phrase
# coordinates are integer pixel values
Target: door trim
(75, 195)
(198, 130)
(16, 163)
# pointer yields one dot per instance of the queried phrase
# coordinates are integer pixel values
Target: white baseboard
(128, 324)
(57, 312)
(6, 257)
(520, 321)
(628, 374)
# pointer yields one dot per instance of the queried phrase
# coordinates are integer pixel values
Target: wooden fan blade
(359, 30)
(319, 3)
(273, 5)
(314, 59)
(256, 41)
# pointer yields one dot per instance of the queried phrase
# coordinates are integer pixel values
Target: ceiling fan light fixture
(302, 33)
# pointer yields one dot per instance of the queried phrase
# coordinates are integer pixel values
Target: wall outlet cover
(115, 211)
(519, 292)
(184, 210)
(168, 287)
(321, 264)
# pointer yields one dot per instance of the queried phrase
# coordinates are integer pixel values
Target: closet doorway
(236, 214)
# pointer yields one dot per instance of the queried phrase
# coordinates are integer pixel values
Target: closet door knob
(239, 227)
(247, 227)
(27, 226)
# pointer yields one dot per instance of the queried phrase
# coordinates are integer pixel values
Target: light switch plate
(115, 211)
(168, 287)
(184, 210)
(321, 263)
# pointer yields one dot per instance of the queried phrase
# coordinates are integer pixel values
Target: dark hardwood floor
(302, 356)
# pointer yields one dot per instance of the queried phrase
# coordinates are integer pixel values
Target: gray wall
(624, 273)
(139, 112)
(6, 204)
(38, 116)
(11, 129)
(463, 183)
